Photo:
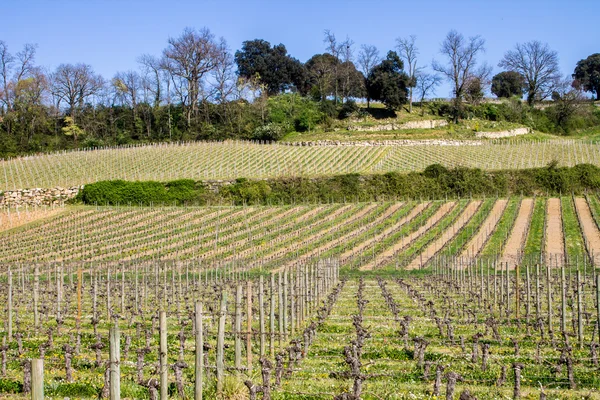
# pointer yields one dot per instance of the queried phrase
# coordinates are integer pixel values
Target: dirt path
(516, 241)
(446, 236)
(554, 248)
(362, 228)
(478, 241)
(589, 228)
(406, 241)
(407, 218)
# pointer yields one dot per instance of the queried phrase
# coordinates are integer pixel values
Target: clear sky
(111, 34)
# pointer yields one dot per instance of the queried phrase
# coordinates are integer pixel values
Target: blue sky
(111, 34)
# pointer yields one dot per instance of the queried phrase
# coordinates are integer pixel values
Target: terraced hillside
(364, 236)
(230, 160)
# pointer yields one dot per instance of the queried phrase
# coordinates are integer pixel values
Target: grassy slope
(573, 238)
(533, 245)
(496, 242)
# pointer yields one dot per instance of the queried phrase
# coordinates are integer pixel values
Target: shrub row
(435, 182)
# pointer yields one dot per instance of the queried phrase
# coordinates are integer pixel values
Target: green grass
(573, 238)
(533, 245)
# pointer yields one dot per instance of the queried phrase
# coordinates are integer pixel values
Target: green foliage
(508, 84)
(271, 66)
(388, 83)
(587, 74)
(71, 129)
(244, 191)
(435, 182)
(292, 112)
(77, 390)
(10, 386)
(347, 109)
(140, 193)
(269, 132)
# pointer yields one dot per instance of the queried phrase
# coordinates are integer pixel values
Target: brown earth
(514, 245)
(554, 248)
(591, 233)
(446, 236)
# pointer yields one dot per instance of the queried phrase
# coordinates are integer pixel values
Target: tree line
(197, 88)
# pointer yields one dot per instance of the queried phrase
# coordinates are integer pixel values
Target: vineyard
(364, 236)
(478, 298)
(231, 160)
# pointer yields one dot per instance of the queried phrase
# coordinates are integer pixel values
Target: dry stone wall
(37, 196)
(428, 124)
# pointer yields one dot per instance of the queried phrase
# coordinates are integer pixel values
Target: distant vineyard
(364, 236)
(229, 160)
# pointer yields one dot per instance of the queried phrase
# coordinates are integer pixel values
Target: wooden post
(238, 327)
(36, 297)
(517, 289)
(549, 294)
(221, 344)
(563, 317)
(280, 308)
(261, 311)
(115, 369)
(249, 326)
(528, 310)
(199, 352)
(272, 318)
(597, 300)
(10, 305)
(538, 305)
(37, 379)
(292, 304)
(164, 368)
(79, 277)
(579, 310)
(108, 293)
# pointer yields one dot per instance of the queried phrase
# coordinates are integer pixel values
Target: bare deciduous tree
(152, 81)
(461, 64)
(539, 66)
(75, 84)
(23, 65)
(426, 85)
(190, 57)
(368, 58)
(6, 61)
(408, 50)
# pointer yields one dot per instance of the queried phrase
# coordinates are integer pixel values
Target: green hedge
(141, 193)
(435, 182)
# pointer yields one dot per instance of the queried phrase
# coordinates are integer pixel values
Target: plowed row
(363, 236)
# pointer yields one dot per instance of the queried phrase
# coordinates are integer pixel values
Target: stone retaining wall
(397, 142)
(503, 134)
(37, 196)
(428, 124)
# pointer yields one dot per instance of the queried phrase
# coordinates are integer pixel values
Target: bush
(347, 109)
(140, 193)
(271, 132)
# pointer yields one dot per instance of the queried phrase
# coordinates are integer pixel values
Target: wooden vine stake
(249, 333)
(10, 306)
(163, 356)
(221, 344)
(199, 353)
(115, 369)
(37, 379)
(79, 277)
